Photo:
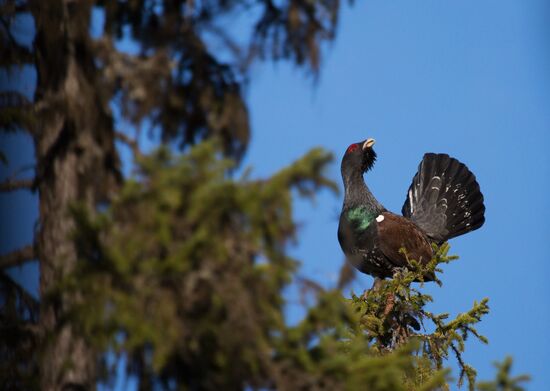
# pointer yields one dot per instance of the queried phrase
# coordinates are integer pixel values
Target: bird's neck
(357, 193)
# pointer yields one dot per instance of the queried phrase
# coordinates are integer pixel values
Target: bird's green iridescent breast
(361, 216)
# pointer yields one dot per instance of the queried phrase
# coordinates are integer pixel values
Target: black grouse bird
(443, 201)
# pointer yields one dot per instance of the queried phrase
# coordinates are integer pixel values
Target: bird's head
(359, 156)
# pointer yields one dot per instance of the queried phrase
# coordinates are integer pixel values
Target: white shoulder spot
(380, 218)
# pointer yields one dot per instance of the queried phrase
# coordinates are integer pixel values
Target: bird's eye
(352, 148)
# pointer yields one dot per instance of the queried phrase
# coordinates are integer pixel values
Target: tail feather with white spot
(444, 198)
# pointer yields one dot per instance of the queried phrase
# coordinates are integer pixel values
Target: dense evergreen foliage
(180, 267)
(184, 275)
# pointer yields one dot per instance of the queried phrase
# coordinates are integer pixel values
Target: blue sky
(468, 78)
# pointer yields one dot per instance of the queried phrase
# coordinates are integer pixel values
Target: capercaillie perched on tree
(443, 201)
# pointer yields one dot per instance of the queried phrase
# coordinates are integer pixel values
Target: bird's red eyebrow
(352, 148)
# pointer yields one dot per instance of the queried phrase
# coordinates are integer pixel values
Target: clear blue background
(469, 78)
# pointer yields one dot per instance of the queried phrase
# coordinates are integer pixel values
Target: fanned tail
(444, 198)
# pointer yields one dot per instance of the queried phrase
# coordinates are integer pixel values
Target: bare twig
(17, 257)
(130, 142)
(11, 185)
(390, 303)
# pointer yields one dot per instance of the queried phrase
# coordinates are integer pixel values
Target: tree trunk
(76, 163)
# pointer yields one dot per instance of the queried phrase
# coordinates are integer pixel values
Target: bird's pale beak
(369, 143)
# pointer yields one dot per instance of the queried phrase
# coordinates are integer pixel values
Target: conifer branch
(17, 257)
(26, 300)
(13, 50)
(12, 185)
(393, 314)
(503, 380)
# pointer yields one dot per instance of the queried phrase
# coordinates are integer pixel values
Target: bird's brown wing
(396, 232)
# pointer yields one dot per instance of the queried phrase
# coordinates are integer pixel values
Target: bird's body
(443, 201)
